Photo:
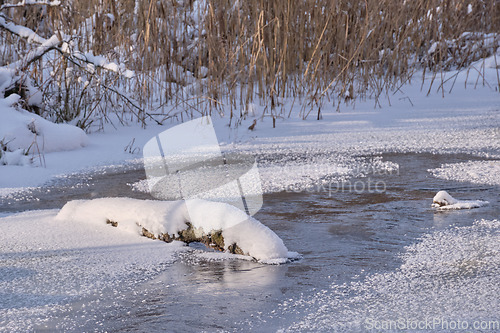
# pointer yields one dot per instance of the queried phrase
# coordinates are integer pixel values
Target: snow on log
(218, 225)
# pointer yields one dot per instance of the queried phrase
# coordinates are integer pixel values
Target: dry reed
(201, 56)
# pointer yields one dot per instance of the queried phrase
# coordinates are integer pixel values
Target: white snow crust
(49, 267)
(22, 130)
(477, 172)
(445, 276)
(465, 121)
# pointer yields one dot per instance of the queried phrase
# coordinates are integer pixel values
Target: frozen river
(369, 258)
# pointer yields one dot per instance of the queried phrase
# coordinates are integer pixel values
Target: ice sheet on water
(296, 172)
(446, 276)
(11, 191)
(46, 265)
(478, 172)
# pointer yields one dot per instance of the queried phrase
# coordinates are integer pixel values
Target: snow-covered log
(218, 225)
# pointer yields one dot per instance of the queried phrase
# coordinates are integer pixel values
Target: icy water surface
(349, 239)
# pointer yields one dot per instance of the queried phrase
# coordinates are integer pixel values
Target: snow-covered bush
(74, 85)
(25, 137)
(462, 51)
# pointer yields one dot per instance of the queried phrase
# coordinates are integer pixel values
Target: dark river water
(342, 235)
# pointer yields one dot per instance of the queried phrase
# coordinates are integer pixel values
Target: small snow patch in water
(444, 201)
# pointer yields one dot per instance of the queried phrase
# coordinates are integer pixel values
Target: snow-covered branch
(35, 54)
(21, 31)
(30, 3)
(31, 36)
(63, 45)
(98, 61)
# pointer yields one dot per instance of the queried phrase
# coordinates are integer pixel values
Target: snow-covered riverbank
(467, 120)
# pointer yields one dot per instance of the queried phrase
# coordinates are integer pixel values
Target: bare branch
(92, 73)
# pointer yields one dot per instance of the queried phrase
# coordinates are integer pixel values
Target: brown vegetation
(194, 57)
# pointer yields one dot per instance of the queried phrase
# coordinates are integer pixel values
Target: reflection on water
(342, 236)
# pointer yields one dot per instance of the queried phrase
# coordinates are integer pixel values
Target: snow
(32, 2)
(24, 136)
(442, 198)
(16, 157)
(50, 265)
(48, 44)
(477, 172)
(6, 76)
(20, 129)
(101, 150)
(22, 31)
(493, 61)
(56, 260)
(56, 40)
(444, 201)
(446, 275)
(100, 61)
(170, 217)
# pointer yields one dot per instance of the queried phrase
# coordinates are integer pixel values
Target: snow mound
(205, 217)
(444, 201)
(21, 129)
(23, 133)
(478, 172)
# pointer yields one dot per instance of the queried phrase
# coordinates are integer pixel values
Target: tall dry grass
(201, 57)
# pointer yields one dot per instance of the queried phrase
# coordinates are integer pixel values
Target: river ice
(369, 259)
